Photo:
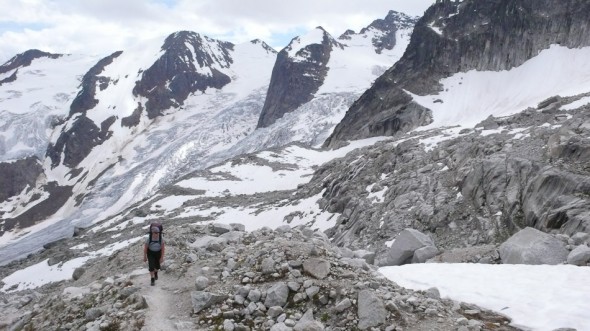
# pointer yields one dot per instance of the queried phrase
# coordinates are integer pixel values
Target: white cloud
(105, 26)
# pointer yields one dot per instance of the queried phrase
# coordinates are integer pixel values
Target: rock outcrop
(531, 246)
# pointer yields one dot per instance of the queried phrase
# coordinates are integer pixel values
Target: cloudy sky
(104, 26)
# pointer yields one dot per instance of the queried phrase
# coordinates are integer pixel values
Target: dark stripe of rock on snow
(287, 279)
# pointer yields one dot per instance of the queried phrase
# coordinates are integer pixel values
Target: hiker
(153, 252)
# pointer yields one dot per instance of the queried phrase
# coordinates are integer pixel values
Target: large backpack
(155, 225)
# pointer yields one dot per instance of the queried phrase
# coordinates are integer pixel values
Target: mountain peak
(264, 45)
(24, 59)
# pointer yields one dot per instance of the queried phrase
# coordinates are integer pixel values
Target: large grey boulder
(308, 323)
(277, 295)
(318, 268)
(202, 300)
(404, 246)
(365, 255)
(579, 256)
(581, 237)
(421, 255)
(206, 241)
(531, 246)
(220, 228)
(371, 310)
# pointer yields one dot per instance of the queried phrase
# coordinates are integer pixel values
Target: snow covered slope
(37, 98)
(469, 98)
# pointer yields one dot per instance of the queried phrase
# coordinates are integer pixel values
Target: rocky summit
(223, 278)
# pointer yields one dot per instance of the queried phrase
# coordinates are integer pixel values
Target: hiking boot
(153, 281)
(156, 275)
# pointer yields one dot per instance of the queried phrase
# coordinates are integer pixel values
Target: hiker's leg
(151, 263)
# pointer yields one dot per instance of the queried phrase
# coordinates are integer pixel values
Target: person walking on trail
(153, 252)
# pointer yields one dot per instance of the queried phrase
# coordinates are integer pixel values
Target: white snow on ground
(470, 97)
(272, 216)
(256, 178)
(535, 297)
(42, 273)
(576, 104)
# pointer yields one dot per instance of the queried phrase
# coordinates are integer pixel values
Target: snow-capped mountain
(145, 115)
(505, 89)
(318, 64)
(140, 116)
(467, 60)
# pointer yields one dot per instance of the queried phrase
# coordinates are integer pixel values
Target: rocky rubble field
(218, 277)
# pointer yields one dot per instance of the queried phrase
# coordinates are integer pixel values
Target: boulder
(206, 241)
(201, 283)
(202, 300)
(580, 238)
(365, 255)
(308, 323)
(421, 255)
(277, 295)
(531, 246)
(403, 248)
(220, 228)
(317, 268)
(579, 256)
(371, 310)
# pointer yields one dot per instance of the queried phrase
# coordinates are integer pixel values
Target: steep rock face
(190, 63)
(17, 176)
(25, 59)
(450, 38)
(298, 73)
(83, 135)
(85, 100)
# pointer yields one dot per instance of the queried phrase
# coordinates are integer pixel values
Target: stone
(280, 327)
(405, 244)
(228, 325)
(78, 272)
(237, 227)
(423, 254)
(308, 323)
(93, 313)
(268, 266)
(201, 283)
(580, 256)
(365, 255)
(357, 263)
(371, 310)
(277, 295)
(531, 246)
(311, 291)
(206, 241)
(580, 238)
(201, 300)
(254, 295)
(433, 293)
(343, 305)
(317, 268)
(346, 252)
(220, 228)
(274, 311)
